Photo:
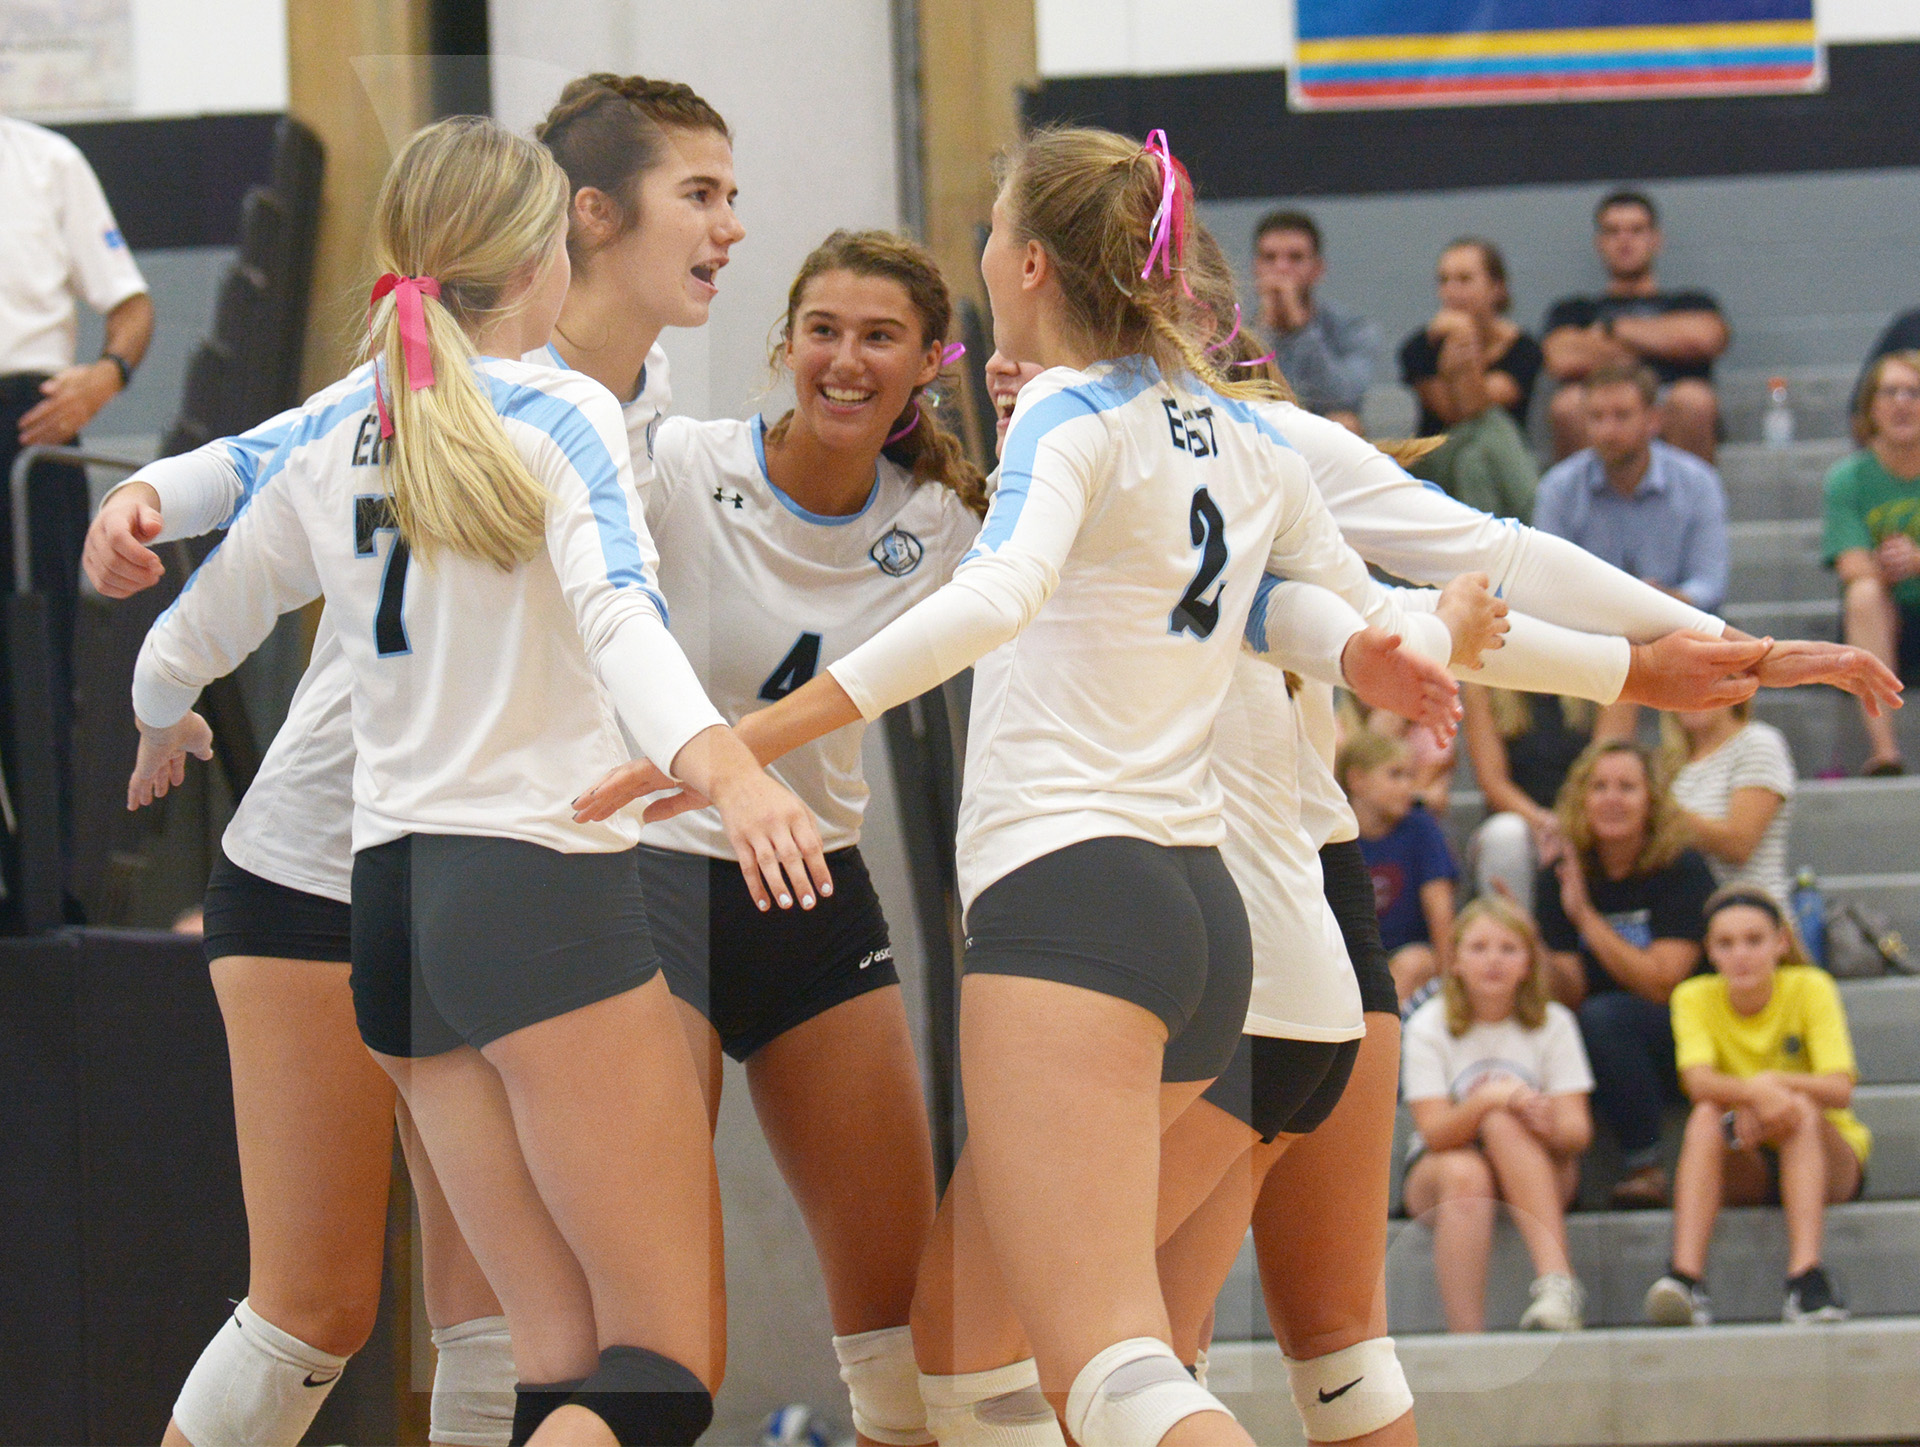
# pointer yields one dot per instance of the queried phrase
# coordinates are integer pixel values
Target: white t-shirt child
(1436, 1064)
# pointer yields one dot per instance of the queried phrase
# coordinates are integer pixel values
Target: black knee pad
(534, 1402)
(645, 1399)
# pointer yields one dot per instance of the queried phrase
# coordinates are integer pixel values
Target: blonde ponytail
(476, 208)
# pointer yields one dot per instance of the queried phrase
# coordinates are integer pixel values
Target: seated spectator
(1902, 335)
(1676, 333)
(1521, 746)
(1872, 533)
(1736, 792)
(1407, 855)
(1621, 914)
(1325, 352)
(1640, 503)
(1497, 1082)
(1432, 760)
(1474, 372)
(1764, 1053)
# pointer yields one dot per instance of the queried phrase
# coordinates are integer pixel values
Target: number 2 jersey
(1103, 607)
(765, 594)
(480, 697)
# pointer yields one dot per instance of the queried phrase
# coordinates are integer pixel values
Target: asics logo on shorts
(876, 956)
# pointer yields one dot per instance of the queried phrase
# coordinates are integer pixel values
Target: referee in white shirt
(58, 243)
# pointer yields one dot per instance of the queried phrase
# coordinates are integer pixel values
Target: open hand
(1382, 674)
(161, 763)
(116, 557)
(1841, 665)
(1475, 618)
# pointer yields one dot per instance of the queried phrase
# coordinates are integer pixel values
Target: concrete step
(1850, 1383)
(1777, 483)
(1778, 561)
(1856, 826)
(1819, 397)
(1824, 727)
(1892, 1113)
(1883, 1016)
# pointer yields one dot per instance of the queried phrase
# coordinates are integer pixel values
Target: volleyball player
(1108, 949)
(783, 547)
(503, 973)
(650, 166)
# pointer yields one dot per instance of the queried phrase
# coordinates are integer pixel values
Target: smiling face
(1746, 946)
(1492, 961)
(1627, 240)
(668, 264)
(1894, 413)
(856, 351)
(1004, 381)
(1618, 802)
(1465, 284)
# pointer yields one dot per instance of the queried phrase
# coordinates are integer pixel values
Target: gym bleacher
(1746, 1379)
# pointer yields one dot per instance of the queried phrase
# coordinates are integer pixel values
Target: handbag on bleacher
(1862, 943)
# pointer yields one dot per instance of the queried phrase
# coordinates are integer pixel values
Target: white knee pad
(1000, 1408)
(883, 1384)
(1350, 1393)
(1132, 1394)
(254, 1386)
(473, 1384)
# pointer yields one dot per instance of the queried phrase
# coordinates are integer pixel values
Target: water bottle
(1810, 915)
(1776, 427)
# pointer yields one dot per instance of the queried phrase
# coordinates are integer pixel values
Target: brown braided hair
(607, 131)
(930, 451)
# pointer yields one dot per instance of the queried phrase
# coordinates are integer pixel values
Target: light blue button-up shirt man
(1648, 508)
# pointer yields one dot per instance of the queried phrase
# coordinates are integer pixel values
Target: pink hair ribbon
(407, 291)
(954, 352)
(893, 437)
(1256, 362)
(1168, 230)
(1227, 340)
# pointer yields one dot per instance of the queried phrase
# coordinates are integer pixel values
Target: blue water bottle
(1810, 915)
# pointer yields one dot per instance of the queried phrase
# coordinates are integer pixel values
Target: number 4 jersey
(766, 594)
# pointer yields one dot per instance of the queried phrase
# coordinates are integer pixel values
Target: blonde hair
(1367, 749)
(925, 447)
(473, 206)
(1088, 197)
(1513, 713)
(1666, 826)
(1530, 998)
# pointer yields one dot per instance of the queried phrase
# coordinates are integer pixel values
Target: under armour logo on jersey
(897, 553)
(720, 495)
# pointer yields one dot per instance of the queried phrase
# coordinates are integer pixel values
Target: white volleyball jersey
(477, 701)
(1103, 607)
(294, 826)
(764, 594)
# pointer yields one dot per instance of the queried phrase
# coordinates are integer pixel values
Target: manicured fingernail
(826, 889)
(786, 901)
(764, 906)
(806, 901)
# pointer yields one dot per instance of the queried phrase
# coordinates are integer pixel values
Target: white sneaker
(1557, 1303)
(1671, 1302)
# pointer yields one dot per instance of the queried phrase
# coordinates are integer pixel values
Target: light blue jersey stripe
(1256, 630)
(759, 432)
(1125, 382)
(586, 452)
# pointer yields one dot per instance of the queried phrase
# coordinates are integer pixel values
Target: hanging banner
(1360, 53)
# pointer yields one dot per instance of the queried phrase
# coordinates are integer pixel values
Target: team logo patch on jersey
(115, 241)
(897, 553)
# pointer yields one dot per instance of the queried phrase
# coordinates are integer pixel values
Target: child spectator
(1474, 371)
(1407, 855)
(1763, 1050)
(1497, 1081)
(1736, 792)
(1621, 911)
(1872, 534)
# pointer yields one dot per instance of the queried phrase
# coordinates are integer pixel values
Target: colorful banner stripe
(1577, 63)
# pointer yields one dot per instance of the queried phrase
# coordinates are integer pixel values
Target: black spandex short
(1291, 1086)
(458, 940)
(757, 975)
(1158, 926)
(248, 915)
(1349, 891)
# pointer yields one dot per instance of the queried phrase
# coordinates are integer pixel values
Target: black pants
(58, 512)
